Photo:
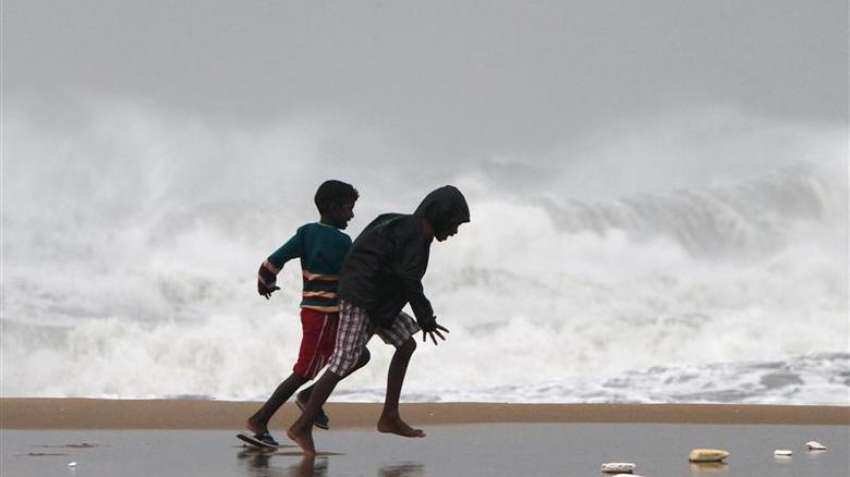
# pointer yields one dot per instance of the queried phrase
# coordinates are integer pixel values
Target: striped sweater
(321, 249)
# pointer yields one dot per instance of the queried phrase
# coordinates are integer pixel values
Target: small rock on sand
(707, 455)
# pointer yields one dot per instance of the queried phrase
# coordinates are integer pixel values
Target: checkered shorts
(354, 331)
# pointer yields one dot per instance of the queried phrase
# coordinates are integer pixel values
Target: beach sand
(41, 436)
(45, 413)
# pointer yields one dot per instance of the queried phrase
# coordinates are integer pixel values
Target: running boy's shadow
(408, 469)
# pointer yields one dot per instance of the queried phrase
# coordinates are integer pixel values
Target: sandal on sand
(262, 440)
(321, 421)
(267, 438)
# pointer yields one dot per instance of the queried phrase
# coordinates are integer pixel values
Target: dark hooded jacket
(384, 269)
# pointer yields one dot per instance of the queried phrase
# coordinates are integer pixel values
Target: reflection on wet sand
(407, 469)
(309, 467)
(257, 462)
(705, 468)
(259, 465)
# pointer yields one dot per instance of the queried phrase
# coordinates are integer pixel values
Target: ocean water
(602, 273)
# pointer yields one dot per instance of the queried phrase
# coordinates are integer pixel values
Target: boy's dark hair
(334, 193)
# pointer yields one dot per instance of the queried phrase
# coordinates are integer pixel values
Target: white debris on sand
(618, 468)
(815, 446)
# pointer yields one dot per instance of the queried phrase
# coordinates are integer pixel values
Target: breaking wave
(118, 281)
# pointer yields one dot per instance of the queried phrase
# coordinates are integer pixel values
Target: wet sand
(507, 449)
(39, 437)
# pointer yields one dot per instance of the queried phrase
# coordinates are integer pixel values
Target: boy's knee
(299, 377)
(408, 347)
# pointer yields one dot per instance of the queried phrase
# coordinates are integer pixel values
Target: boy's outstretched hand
(431, 328)
(265, 291)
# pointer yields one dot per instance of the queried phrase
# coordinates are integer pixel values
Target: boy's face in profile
(443, 235)
(339, 215)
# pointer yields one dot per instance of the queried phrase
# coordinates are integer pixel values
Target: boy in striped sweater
(321, 246)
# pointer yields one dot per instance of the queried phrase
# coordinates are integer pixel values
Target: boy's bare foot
(304, 439)
(394, 425)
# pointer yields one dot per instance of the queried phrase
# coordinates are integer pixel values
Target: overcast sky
(451, 78)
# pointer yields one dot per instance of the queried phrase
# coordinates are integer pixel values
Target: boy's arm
(411, 265)
(267, 275)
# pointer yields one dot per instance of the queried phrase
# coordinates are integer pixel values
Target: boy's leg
(390, 420)
(314, 326)
(327, 344)
(304, 394)
(258, 423)
(301, 431)
(322, 421)
(351, 339)
(399, 335)
(365, 356)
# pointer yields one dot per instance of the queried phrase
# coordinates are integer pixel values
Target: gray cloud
(446, 79)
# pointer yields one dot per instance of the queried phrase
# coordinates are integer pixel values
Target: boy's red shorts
(317, 342)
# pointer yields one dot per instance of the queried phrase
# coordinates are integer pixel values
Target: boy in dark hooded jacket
(382, 273)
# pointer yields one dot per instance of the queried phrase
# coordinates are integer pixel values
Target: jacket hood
(444, 208)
